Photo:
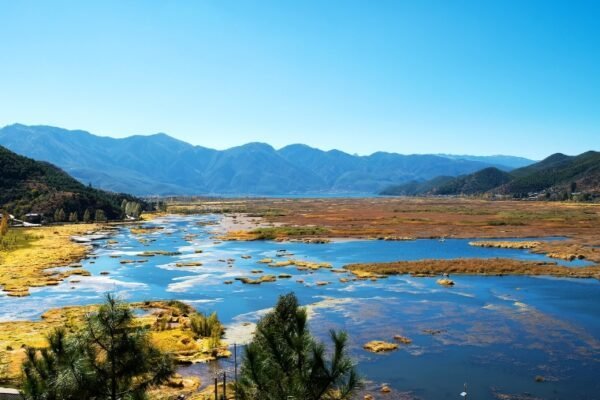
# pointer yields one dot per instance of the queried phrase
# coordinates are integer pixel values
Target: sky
(461, 77)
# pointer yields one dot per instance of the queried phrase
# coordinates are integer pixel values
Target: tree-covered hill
(556, 177)
(30, 186)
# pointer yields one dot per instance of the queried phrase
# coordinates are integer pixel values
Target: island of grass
(471, 266)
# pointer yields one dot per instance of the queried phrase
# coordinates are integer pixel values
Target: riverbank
(49, 246)
(471, 266)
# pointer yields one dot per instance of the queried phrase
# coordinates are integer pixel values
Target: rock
(227, 282)
(378, 346)
(249, 281)
(432, 332)
(322, 283)
(385, 389)
(246, 257)
(540, 379)
(445, 282)
(368, 397)
(284, 276)
(104, 273)
(402, 339)
(266, 261)
(189, 264)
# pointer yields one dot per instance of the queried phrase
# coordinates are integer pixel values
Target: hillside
(557, 173)
(415, 188)
(556, 176)
(28, 186)
(160, 164)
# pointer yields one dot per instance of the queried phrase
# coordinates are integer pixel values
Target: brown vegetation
(473, 266)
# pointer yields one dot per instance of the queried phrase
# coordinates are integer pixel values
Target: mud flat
(50, 246)
(473, 266)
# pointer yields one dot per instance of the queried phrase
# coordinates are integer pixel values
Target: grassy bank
(28, 254)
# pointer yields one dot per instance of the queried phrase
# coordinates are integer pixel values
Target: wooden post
(235, 367)
(216, 387)
(225, 385)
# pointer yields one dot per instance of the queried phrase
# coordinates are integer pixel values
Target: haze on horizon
(511, 77)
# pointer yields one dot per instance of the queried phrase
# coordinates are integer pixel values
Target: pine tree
(284, 360)
(100, 216)
(73, 217)
(110, 358)
(86, 216)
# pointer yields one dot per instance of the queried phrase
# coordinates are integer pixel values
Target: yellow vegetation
(26, 267)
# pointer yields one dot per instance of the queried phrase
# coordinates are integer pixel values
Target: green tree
(100, 216)
(87, 216)
(59, 215)
(110, 358)
(284, 360)
(573, 187)
(73, 217)
(56, 372)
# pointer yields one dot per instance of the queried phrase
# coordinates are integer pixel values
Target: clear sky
(464, 77)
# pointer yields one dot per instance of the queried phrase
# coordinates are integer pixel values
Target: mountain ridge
(161, 164)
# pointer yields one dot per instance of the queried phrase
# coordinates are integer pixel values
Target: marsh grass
(271, 233)
(16, 239)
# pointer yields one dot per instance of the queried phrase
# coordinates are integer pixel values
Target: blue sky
(476, 77)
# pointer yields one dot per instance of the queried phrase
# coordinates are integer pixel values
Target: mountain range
(29, 186)
(162, 165)
(556, 176)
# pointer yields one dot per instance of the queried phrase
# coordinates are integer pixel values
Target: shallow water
(498, 333)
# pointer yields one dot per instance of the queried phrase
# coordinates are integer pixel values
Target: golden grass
(25, 267)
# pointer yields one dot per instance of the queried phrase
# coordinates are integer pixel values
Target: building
(10, 394)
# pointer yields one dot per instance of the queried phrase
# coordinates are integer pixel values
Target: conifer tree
(284, 360)
(86, 216)
(100, 216)
(111, 358)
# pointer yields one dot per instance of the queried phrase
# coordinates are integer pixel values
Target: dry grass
(51, 246)
(472, 266)
(413, 218)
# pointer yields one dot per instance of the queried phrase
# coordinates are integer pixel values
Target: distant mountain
(505, 163)
(28, 186)
(558, 173)
(160, 164)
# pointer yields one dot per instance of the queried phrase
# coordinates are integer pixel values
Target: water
(498, 333)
